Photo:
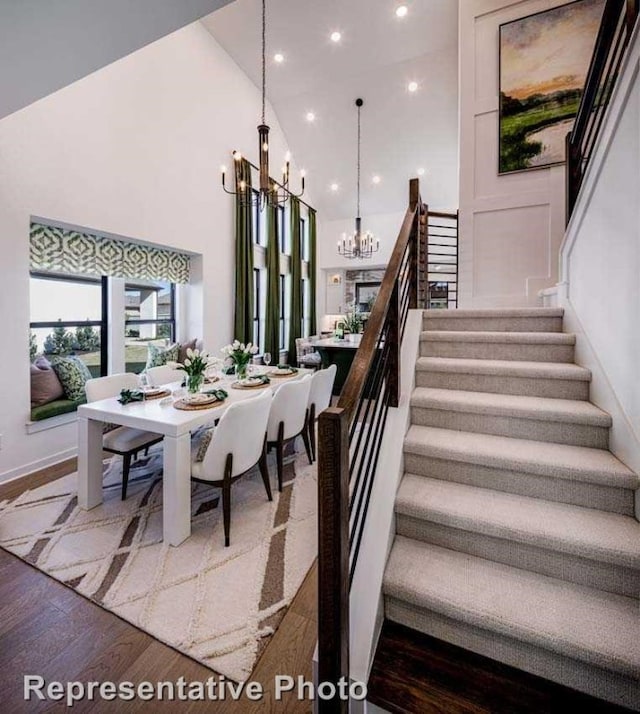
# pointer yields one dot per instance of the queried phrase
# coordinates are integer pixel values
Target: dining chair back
(164, 374)
(106, 387)
(124, 441)
(240, 432)
(288, 419)
(319, 399)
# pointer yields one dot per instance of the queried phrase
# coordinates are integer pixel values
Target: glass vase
(241, 370)
(194, 382)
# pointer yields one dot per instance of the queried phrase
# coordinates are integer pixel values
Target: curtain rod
(304, 203)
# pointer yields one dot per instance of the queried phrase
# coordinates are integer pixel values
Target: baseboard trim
(38, 465)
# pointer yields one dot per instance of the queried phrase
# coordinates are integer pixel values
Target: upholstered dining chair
(165, 374)
(288, 419)
(319, 399)
(124, 441)
(235, 445)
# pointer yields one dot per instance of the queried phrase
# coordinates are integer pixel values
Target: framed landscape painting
(544, 60)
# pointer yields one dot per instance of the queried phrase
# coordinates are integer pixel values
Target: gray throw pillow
(45, 385)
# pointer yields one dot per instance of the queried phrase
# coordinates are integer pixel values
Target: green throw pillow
(158, 356)
(73, 374)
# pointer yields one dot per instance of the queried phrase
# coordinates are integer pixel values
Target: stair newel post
(333, 553)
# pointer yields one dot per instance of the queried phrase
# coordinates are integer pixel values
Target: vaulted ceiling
(376, 58)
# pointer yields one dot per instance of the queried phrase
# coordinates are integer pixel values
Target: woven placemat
(274, 373)
(186, 407)
(158, 395)
(237, 385)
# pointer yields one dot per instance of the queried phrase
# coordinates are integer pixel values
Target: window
(304, 241)
(285, 310)
(257, 304)
(149, 318)
(283, 233)
(257, 219)
(69, 316)
(306, 307)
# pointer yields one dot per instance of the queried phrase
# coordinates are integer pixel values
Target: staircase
(515, 535)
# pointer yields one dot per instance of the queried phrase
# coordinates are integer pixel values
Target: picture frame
(543, 62)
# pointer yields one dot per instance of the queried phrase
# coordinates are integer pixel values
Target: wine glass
(144, 383)
(266, 358)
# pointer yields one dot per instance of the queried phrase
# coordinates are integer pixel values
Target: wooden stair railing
(349, 438)
(618, 21)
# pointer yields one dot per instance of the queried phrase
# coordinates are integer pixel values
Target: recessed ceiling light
(334, 187)
(278, 57)
(311, 116)
(421, 172)
(376, 179)
(401, 11)
(336, 36)
(412, 86)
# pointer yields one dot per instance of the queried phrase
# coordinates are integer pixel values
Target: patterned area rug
(218, 605)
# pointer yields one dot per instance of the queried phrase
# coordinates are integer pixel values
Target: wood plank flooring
(415, 673)
(50, 630)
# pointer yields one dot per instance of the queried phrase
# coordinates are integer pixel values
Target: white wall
(511, 226)
(600, 287)
(133, 150)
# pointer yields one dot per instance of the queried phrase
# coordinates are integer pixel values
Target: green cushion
(158, 356)
(55, 408)
(73, 374)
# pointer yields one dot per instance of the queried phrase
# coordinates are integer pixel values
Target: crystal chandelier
(358, 245)
(270, 191)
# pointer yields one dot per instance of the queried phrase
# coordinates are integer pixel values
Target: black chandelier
(271, 192)
(358, 245)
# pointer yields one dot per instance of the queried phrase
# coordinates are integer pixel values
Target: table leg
(176, 489)
(89, 463)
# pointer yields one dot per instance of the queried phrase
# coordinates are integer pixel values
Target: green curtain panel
(295, 326)
(272, 328)
(312, 271)
(72, 252)
(244, 298)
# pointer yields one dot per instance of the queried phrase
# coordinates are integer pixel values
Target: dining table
(159, 416)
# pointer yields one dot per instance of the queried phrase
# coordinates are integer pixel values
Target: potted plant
(195, 366)
(352, 323)
(240, 355)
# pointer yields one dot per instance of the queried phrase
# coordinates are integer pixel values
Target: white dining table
(160, 417)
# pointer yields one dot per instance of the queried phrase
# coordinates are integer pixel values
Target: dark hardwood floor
(415, 673)
(48, 629)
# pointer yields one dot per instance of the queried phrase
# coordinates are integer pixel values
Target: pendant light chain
(264, 59)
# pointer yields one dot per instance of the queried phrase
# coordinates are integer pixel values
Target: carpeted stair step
(538, 319)
(580, 636)
(522, 346)
(567, 474)
(580, 545)
(563, 421)
(535, 379)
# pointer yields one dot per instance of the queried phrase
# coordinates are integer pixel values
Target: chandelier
(358, 245)
(271, 192)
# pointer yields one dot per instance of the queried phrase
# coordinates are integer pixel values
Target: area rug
(218, 605)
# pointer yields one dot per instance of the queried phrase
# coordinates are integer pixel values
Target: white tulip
(187, 362)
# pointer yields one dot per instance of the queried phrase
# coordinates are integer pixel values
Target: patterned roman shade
(66, 251)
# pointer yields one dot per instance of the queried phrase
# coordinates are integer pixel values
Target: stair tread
(494, 312)
(524, 407)
(525, 338)
(506, 368)
(572, 620)
(579, 463)
(585, 532)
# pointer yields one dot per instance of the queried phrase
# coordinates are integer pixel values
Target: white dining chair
(319, 399)
(288, 419)
(124, 441)
(236, 445)
(164, 374)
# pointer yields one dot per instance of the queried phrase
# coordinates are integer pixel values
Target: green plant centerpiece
(352, 322)
(240, 355)
(195, 366)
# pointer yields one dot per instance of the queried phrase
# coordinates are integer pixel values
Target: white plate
(200, 398)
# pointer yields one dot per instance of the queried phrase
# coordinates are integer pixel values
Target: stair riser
(532, 658)
(493, 324)
(564, 566)
(578, 493)
(556, 432)
(498, 350)
(497, 384)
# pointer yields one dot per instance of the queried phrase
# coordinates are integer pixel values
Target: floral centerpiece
(240, 355)
(195, 366)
